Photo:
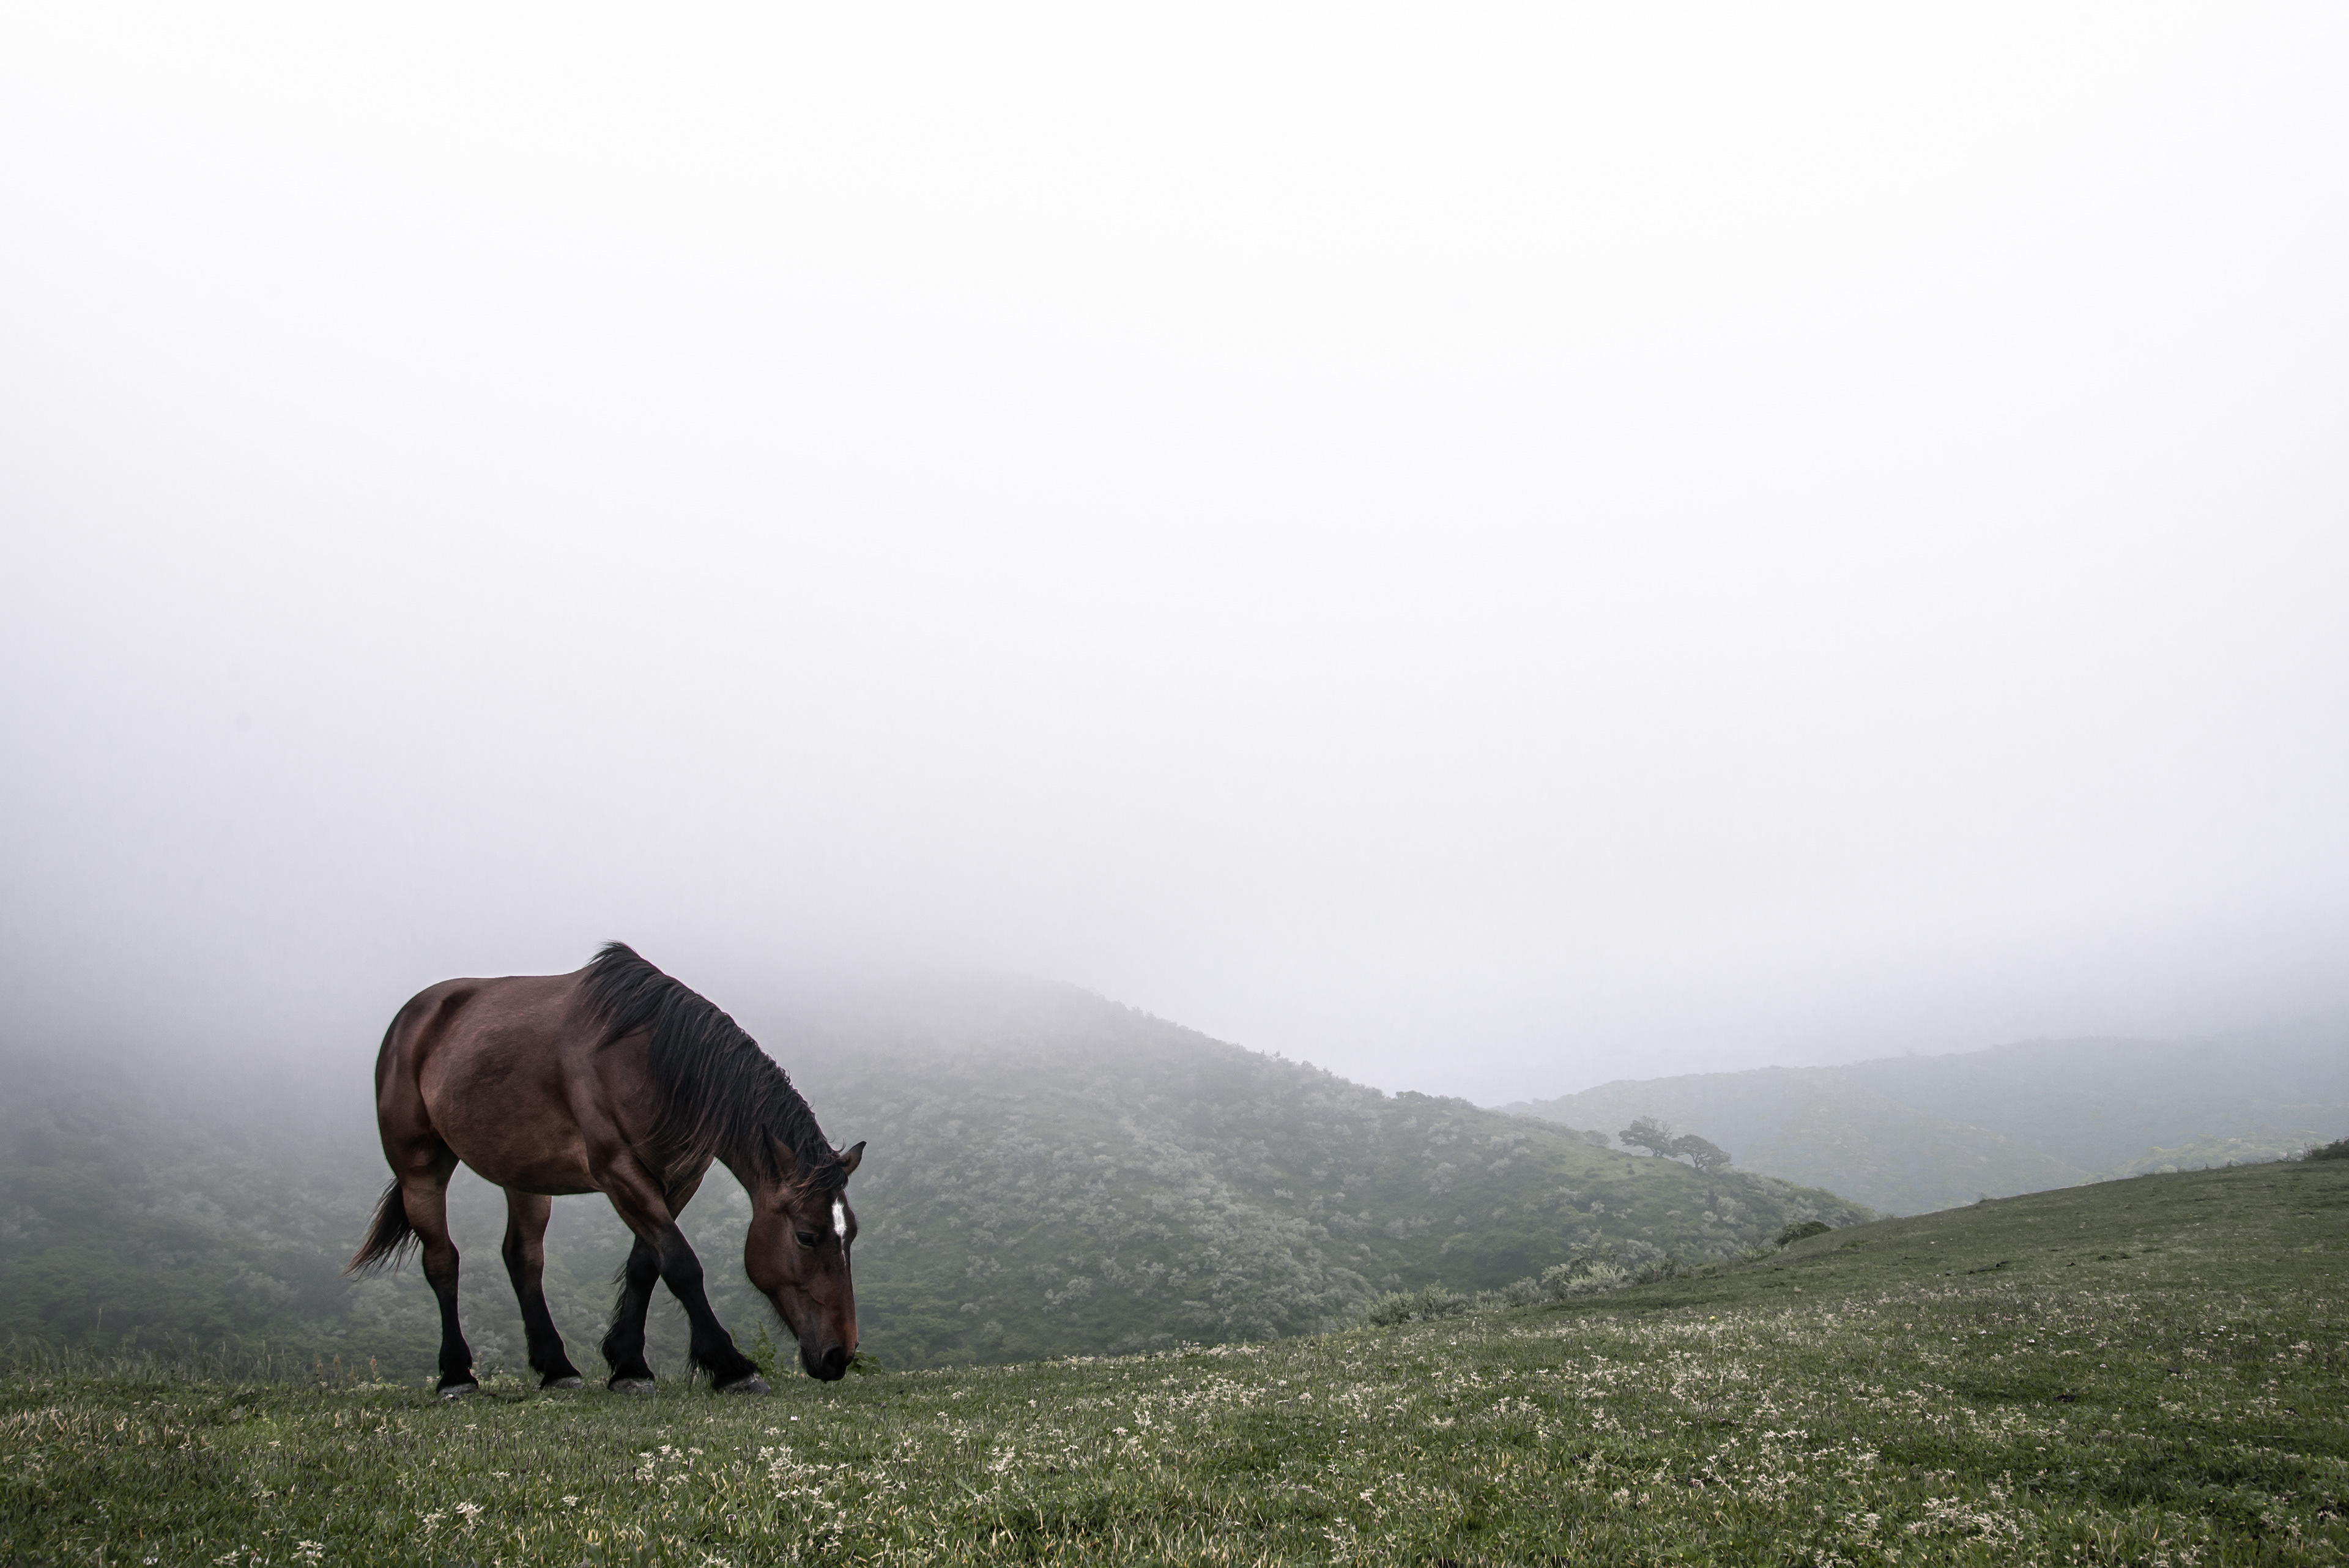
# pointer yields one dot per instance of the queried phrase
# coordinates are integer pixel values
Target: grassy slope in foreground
(2149, 1371)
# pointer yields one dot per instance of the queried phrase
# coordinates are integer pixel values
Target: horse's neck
(755, 1179)
(746, 1171)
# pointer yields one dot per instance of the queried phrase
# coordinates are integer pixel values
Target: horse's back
(459, 1018)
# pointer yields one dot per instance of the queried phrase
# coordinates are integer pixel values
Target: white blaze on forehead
(840, 1223)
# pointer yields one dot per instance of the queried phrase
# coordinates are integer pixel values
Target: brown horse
(619, 1080)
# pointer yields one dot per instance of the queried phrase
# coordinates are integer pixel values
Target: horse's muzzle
(832, 1365)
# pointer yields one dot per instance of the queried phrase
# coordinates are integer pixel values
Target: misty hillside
(1047, 1173)
(1064, 1169)
(1911, 1134)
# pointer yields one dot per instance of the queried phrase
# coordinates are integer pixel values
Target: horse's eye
(807, 1239)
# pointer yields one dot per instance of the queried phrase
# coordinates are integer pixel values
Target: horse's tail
(389, 1238)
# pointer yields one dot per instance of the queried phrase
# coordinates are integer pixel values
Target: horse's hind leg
(424, 1193)
(525, 1255)
(623, 1346)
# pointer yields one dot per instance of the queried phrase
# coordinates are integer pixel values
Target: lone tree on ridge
(1705, 1155)
(1650, 1134)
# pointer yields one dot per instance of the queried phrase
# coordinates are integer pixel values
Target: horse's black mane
(720, 1094)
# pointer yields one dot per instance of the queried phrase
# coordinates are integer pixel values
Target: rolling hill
(1049, 1173)
(1905, 1135)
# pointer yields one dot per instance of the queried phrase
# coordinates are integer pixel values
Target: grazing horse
(614, 1079)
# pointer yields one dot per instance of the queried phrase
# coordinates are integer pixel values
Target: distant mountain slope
(1048, 1168)
(1911, 1134)
(1047, 1173)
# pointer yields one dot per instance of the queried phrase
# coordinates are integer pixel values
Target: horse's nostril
(836, 1360)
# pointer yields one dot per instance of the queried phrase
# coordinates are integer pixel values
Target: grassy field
(2142, 1372)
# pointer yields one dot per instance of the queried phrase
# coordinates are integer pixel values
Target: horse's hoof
(457, 1390)
(570, 1382)
(753, 1384)
(631, 1386)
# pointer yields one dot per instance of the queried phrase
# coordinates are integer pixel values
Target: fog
(1489, 550)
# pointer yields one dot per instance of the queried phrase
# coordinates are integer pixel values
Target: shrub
(1802, 1228)
(2337, 1150)
(1587, 1275)
(1423, 1306)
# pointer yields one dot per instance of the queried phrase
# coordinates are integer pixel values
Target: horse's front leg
(662, 1250)
(714, 1350)
(525, 1255)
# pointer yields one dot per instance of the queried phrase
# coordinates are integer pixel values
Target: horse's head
(797, 1253)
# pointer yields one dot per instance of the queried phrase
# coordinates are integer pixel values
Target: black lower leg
(714, 1350)
(547, 1357)
(623, 1346)
(456, 1356)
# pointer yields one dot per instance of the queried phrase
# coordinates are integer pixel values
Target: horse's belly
(550, 1182)
(535, 1164)
(527, 1153)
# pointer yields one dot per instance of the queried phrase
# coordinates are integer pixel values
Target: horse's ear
(850, 1158)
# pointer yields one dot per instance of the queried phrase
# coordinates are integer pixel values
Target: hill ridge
(1912, 1133)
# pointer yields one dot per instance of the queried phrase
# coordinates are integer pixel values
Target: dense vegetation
(2149, 1371)
(1048, 1174)
(1911, 1134)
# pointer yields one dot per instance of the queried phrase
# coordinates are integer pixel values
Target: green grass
(2143, 1372)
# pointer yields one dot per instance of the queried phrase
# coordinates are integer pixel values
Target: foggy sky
(1490, 550)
